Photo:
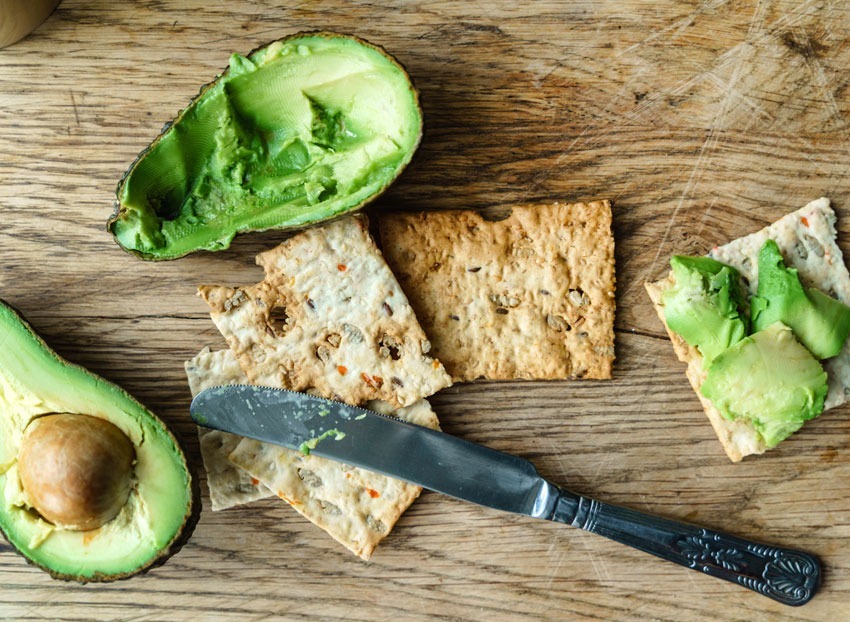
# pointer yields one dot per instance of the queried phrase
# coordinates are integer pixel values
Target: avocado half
(299, 131)
(160, 502)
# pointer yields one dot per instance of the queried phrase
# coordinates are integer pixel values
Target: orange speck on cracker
(341, 267)
(805, 221)
(342, 369)
(376, 382)
(373, 493)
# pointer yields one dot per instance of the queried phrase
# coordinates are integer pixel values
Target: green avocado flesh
(158, 514)
(770, 380)
(821, 323)
(302, 130)
(308, 446)
(703, 306)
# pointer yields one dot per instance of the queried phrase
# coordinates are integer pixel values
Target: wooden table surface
(702, 121)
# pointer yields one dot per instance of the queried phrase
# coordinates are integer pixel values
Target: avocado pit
(76, 470)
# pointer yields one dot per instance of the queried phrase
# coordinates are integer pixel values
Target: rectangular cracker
(530, 296)
(806, 239)
(329, 317)
(228, 485)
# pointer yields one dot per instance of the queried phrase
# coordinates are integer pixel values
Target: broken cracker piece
(530, 296)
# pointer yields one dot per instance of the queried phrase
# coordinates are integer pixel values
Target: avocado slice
(93, 486)
(770, 380)
(704, 305)
(821, 323)
(301, 130)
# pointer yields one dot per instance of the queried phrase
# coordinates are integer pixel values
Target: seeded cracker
(806, 239)
(228, 484)
(330, 319)
(530, 296)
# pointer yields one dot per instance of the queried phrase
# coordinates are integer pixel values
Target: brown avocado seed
(76, 470)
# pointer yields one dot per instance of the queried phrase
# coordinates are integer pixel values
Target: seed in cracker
(530, 296)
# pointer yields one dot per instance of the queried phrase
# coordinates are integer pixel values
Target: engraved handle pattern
(785, 575)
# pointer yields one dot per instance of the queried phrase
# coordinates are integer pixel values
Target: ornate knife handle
(787, 576)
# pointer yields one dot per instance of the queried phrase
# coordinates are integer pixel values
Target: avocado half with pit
(93, 486)
(302, 130)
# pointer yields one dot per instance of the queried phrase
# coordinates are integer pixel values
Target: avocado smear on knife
(299, 131)
(307, 446)
(93, 486)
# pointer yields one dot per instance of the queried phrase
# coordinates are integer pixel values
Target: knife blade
(472, 472)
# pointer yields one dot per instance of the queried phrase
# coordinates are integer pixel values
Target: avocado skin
(190, 518)
(704, 305)
(769, 379)
(820, 322)
(223, 242)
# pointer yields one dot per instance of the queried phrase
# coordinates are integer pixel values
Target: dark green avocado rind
(9, 316)
(150, 244)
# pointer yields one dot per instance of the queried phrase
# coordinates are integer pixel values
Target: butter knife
(450, 465)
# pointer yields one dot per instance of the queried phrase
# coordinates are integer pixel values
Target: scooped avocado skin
(164, 505)
(820, 322)
(704, 305)
(302, 130)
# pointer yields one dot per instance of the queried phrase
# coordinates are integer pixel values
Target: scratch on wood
(704, 217)
(559, 561)
(811, 51)
(74, 104)
(677, 27)
(600, 566)
(713, 139)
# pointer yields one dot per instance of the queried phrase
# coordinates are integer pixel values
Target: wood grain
(702, 121)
